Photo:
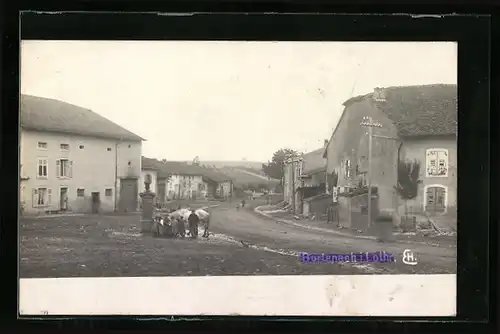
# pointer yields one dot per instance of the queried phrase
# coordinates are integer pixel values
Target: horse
(204, 220)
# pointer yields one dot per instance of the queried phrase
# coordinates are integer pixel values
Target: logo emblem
(409, 258)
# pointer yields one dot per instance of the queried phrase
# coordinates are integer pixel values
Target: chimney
(325, 144)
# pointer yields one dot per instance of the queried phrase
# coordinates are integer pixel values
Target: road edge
(258, 210)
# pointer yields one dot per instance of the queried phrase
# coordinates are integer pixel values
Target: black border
(472, 33)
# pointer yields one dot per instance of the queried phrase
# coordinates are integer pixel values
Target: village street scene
(203, 159)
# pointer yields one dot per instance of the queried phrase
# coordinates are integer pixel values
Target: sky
(226, 100)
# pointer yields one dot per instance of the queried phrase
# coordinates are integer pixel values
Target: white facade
(291, 182)
(81, 167)
(224, 189)
(185, 187)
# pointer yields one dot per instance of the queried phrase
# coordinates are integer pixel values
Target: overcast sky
(226, 100)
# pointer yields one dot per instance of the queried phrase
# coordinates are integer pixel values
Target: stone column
(147, 198)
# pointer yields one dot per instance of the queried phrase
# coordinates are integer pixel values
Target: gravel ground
(111, 246)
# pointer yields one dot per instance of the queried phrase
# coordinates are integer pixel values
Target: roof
(44, 114)
(425, 110)
(166, 168)
(313, 162)
(215, 175)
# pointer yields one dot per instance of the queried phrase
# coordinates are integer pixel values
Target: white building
(174, 180)
(72, 159)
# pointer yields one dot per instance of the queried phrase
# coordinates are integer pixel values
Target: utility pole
(370, 124)
(293, 185)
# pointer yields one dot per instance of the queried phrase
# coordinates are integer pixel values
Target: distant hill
(244, 177)
(243, 173)
(255, 165)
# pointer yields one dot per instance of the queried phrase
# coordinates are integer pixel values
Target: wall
(315, 180)
(289, 184)
(129, 163)
(415, 149)
(210, 189)
(319, 206)
(224, 189)
(93, 169)
(353, 211)
(351, 142)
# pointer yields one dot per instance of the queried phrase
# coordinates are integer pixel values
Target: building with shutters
(72, 159)
(176, 180)
(418, 124)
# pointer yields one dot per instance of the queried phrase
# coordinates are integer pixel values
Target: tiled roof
(313, 162)
(43, 114)
(415, 110)
(181, 168)
(419, 110)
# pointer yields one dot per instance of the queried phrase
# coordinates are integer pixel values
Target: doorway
(63, 199)
(96, 202)
(435, 200)
(128, 195)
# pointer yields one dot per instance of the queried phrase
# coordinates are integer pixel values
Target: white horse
(204, 220)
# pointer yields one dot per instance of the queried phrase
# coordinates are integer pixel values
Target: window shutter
(49, 196)
(35, 198)
(70, 168)
(39, 171)
(58, 168)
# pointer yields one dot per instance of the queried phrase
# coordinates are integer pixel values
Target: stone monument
(147, 198)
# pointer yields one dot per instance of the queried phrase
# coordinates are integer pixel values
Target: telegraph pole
(293, 186)
(370, 124)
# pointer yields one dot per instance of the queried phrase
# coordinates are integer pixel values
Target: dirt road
(264, 233)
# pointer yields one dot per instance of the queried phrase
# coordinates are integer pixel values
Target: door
(63, 199)
(96, 202)
(435, 200)
(128, 195)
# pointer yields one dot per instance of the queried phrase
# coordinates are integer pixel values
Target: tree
(274, 168)
(407, 187)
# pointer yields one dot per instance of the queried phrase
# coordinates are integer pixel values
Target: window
(42, 168)
(347, 168)
(81, 147)
(42, 145)
(42, 197)
(64, 168)
(108, 149)
(437, 162)
(130, 163)
(129, 146)
(108, 192)
(298, 171)
(64, 147)
(80, 192)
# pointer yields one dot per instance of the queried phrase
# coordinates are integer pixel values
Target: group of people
(173, 223)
